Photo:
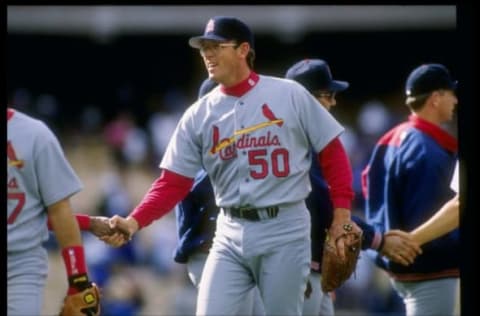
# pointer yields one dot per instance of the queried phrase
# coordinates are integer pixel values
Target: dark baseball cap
(224, 28)
(427, 78)
(206, 86)
(314, 74)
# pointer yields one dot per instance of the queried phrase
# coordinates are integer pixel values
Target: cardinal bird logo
(220, 144)
(270, 116)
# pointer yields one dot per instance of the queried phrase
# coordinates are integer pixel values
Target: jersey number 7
(20, 198)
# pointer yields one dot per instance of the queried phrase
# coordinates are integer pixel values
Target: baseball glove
(85, 303)
(335, 271)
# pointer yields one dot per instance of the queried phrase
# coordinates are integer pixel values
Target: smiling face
(225, 61)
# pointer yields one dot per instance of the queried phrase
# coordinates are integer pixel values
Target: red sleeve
(169, 189)
(83, 221)
(337, 171)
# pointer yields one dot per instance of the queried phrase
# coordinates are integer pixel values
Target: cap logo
(210, 26)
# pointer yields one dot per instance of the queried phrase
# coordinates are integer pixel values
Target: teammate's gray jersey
(38, 176)
(255, 148)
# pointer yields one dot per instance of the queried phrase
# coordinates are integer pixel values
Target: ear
(435, 97)
(244, 48)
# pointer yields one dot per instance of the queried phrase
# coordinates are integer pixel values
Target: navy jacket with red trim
(405, 182)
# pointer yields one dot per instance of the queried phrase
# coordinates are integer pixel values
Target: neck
(238, 75)
(428, 116)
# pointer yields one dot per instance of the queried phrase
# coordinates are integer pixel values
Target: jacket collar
(445, 140)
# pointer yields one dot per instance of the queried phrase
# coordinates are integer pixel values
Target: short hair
(418, 102)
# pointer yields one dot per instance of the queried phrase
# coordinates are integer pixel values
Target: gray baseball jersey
(38, 176)
(255, 149)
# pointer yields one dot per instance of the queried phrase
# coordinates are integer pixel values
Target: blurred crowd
(117, 158)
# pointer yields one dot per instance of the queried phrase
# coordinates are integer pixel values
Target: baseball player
(40, 181)
(315, 75)
(407, 180)
(253, 136)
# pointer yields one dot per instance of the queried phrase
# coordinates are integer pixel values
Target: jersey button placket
(243, 165)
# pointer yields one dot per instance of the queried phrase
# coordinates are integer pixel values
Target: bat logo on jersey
(226, 147)
(12, 157)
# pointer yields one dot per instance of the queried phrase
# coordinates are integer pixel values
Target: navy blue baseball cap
(206, 86)
(427, 78)
(224, 28)
(314, 74)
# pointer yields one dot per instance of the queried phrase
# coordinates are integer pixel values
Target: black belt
(251, 213)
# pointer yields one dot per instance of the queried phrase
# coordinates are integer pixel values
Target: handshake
(115, 231)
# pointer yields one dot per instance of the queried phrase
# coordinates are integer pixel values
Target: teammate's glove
(85, 303)
(335, 271)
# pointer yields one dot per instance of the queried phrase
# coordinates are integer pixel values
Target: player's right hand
(400, 248)
(124, 229)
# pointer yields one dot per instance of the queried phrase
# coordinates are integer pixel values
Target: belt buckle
(242, 210)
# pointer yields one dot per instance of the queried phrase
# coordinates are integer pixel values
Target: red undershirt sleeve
(337, 171)
(83, 221)
(169, 189)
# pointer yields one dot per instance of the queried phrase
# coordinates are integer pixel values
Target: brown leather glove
(336, 271)
(85, 303)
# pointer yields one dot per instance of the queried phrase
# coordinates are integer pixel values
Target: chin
(215, 77)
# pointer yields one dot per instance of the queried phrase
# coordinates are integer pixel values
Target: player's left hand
(343, 232)
(335, 269)
(84, 303)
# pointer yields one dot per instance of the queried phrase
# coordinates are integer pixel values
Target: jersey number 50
(278, 160)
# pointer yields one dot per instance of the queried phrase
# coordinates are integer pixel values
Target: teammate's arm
(69, 239)
(97, 225)
(83, 221)
(402, 247)
(442, 222)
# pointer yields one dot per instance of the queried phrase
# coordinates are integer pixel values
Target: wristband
(74, 260)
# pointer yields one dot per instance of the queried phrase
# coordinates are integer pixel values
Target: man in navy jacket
(407, 180)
